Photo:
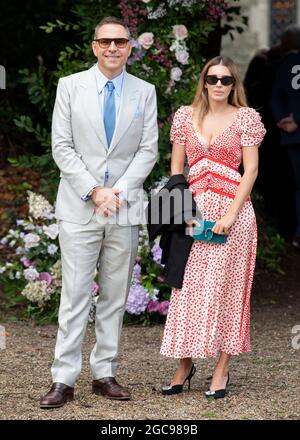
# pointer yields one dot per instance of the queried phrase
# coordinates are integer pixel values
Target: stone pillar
(255, 37)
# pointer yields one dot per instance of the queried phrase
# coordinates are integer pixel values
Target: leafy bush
(271, 246)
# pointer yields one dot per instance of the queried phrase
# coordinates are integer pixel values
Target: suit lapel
(129, 102)
(90, 101)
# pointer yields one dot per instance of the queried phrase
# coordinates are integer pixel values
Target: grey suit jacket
(80, 148)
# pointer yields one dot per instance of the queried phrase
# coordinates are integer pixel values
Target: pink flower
(95, 288)
(138, 259)
(182, 56)
(163, 307)
(45, 276)
(153, 306)
(146, 40)
(180, 32)
(27, 262)
(160, 278)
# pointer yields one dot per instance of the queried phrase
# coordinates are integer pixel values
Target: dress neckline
(203, 140)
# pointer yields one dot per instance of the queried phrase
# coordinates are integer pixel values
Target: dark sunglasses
(225, 80)
(105, 43)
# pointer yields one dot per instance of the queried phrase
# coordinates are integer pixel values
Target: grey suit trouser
(82, 247)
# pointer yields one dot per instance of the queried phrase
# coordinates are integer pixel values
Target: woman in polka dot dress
(210, 314)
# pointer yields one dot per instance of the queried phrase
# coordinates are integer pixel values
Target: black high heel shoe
(176, 389)
(217, 394)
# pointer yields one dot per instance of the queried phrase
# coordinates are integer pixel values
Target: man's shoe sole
(99, 393)
(59, 405)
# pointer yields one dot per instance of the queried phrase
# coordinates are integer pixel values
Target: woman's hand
(189, 230)
(223, 225)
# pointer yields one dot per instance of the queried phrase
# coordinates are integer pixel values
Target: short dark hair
(290, 39)
(111, 20)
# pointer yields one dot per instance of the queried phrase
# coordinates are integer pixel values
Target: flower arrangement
(33, 273)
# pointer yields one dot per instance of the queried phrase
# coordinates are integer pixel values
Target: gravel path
(264, 384)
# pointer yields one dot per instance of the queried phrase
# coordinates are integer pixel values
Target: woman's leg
(182, 371)
(220, 374)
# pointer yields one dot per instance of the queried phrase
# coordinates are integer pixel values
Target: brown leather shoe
(109, 387)
(58, 395)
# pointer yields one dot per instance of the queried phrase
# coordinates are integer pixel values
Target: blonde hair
(237, 96)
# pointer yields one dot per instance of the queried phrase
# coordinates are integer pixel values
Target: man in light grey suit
(104, 137)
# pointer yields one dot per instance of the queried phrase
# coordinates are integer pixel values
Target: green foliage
(271, 246)
(271, 249)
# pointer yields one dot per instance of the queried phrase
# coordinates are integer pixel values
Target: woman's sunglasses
(225, 80)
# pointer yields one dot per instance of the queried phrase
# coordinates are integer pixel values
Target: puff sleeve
(251, 128)
(178, 128)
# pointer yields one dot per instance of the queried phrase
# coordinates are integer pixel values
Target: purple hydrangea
(137, 56)
(137, 300)
(136, 274)
(156, 252)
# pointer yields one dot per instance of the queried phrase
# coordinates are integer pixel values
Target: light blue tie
(109, 112)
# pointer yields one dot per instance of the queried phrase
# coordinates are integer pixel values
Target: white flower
(14, 233)
(177, 45)
(176, 73)
(159, 184)
(55, 272)
(20, 250)
(49, 215)
(185, 3)
(180, 32)
(39, 207)
(154, 294)
(52, 248)
(29, 227)
(31, 274)
(159, 12)
(182, 56)
(31, 240)
(4, 240)
(51, 231)
(37, 292)
(2, 269)
(18, 275)
(12, 243)
(146, 1)
(146, 40)
(20, 222)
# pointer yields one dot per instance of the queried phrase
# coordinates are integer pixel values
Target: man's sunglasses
(225, 80)
(105, 43)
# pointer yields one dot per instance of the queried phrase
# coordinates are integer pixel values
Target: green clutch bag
(204, 232)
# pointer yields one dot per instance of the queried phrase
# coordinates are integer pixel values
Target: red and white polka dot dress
(211, 312)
